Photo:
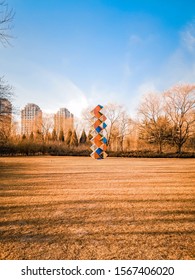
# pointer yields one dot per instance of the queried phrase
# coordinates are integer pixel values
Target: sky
(80, 53)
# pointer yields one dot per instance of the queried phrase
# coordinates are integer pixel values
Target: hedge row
(32, 149)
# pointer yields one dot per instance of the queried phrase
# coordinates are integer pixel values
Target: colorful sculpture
(99, 140)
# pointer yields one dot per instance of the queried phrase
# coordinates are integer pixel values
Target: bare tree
(113, 113)
(180, 107)
(85, 121)
(6, 91)
(191, 140)
(82, 123)
(47, 124)
(118, 123)
(125, 126)
(7, 111)
(6, 18)
(154, 124)
(86, 115)
(5, 129)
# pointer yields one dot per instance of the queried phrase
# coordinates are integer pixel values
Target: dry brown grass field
(80, 208)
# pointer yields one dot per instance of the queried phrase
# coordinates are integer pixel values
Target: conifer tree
(54, 135)
(23, 137)
(61, 136)
(68, 138)
(74, 139)
(39, 135)
(31, 137)
(90, 136)
(48, 136)
(83, 137)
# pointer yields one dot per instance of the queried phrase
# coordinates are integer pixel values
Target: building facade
(63, 121)
(31, 119)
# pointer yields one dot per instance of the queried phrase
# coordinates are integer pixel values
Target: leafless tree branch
(6, 18)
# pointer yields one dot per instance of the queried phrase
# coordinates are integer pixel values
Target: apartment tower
(63, 121)
(31, 119)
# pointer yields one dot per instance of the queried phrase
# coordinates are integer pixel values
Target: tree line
(169, 118)
(165, 123)
(71, 140)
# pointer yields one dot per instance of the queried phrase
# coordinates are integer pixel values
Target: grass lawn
(80, 208)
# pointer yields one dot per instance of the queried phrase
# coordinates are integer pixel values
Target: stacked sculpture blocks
(99, 141)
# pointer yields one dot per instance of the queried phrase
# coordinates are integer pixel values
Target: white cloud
(102, 94)
(188, 37)
(69, 95)
(77, 101)
(179, 69)
(146, 87)
(180, 65)
(127, 70)
(51, 92)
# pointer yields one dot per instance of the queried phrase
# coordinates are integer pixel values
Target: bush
(149, 154)
(31, 148)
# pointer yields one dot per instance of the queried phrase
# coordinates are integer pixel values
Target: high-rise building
(31, 119)
(63, 121)
(5, 118)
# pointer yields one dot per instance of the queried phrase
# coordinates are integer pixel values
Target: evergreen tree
(39, 135)
(90, 136)
(48, 136)
(31, 137)
(83, 137)
(54, 135)
(74, 139)
(61, 136)
(68, 138)
(23, 137)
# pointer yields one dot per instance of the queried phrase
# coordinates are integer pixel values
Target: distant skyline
(80, 53)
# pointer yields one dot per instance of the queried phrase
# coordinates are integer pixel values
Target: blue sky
(79, 53)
